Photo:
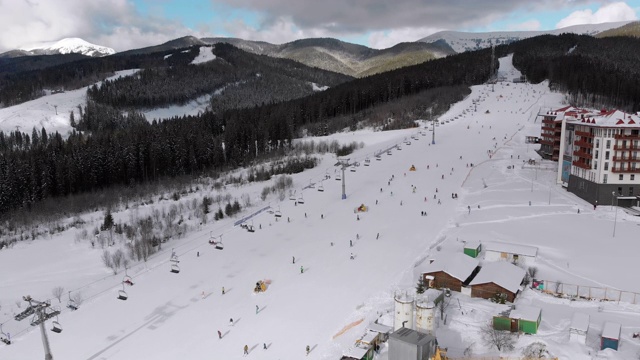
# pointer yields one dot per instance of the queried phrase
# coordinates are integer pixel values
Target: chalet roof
(380, 328)
(473, 244)
(580, 322)
(509, 248)
(611, 330)
(599, 118)
(525, 312)
(501, 273)
(458, 265)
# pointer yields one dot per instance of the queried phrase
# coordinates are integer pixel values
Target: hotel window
(633, 177)
(608, 144)
(620, 177)
(604, 179)
(595, 165)
(597, 153)
(606, 165)
(597, 143)
(606, 155)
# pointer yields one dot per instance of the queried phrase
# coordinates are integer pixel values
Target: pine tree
(108, 221)
(420, 288)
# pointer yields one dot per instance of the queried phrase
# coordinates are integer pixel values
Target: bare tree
(536, 350)
(57, 293)
(106, 259)
(501, 340)
(444, 303)
(533, 271)
(116, 260)
(78, 298)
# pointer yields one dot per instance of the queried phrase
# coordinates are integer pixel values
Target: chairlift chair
(127, 280)
(367, 162)
(278, 213)
(321, 188)
(122, 295)
(4, 337)
(175, 268)
(379, 158)
(55, 327)
(72, 305)
(300, 200)
(219, 245)
(338, 178)
(353, 169)
(250, 228)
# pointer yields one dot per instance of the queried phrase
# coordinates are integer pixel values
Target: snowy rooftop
(458, 265)
(525, 312)
(580, 322)
(379, 328)
(509, 248)
(357, 351)
(368, 337)
(602, 118)
(611, 330)
(501, 273)
(473, 244)
(412, 336)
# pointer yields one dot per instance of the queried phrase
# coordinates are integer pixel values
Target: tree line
(597, 72)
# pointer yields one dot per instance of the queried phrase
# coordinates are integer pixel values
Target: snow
(167, 317)
(611, 330)
(49, 111)
(501, 273)
(509, 248)
(458, 265)
(72, 45)
(204, 56)
(580, 322)
(193, 107)
(525, 312)
(317, 87)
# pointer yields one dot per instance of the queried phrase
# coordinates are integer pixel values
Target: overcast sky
(126, 24)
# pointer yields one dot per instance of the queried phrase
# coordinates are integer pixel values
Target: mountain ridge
(462, 41)
(63, 46)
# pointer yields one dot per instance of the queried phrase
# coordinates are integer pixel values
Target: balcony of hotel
(582, 154)
(625, 170)
(584, 134)
(626, 147)
(626, 158)
(583, 143)
(549, 120)
(581, 164)
(627, 137)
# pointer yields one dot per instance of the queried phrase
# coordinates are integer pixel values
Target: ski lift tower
(343, 164)
(42, 311)
(492, 75)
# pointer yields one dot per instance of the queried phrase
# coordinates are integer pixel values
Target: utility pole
(433, 133)
(41, 311)
(615, 218)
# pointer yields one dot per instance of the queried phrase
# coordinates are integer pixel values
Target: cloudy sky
(126, 24)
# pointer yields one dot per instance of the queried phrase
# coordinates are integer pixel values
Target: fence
(590, 292)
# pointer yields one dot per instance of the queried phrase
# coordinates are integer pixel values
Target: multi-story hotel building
(598, 153)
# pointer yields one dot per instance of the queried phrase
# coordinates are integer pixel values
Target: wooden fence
(590, 292)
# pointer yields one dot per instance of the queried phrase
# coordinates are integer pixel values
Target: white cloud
(278, 31)
(530, 25)
(113, 23)
(618, 11)
(387, 39)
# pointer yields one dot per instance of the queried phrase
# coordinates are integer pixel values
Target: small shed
(407, 344)
(497, 278)
(472, 248)
(610, 336)
(513, 253)
(579, 328)
(523, 318)
(450, 270)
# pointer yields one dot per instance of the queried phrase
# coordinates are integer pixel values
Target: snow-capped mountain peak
(69, 46)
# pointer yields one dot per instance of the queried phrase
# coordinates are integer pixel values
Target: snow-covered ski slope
(167, 317)
(50, 111)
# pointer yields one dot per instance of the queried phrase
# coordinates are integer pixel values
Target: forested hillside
(40, 165)
(594, 72)
(255, 79)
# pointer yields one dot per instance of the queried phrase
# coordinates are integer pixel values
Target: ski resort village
(506, 228)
